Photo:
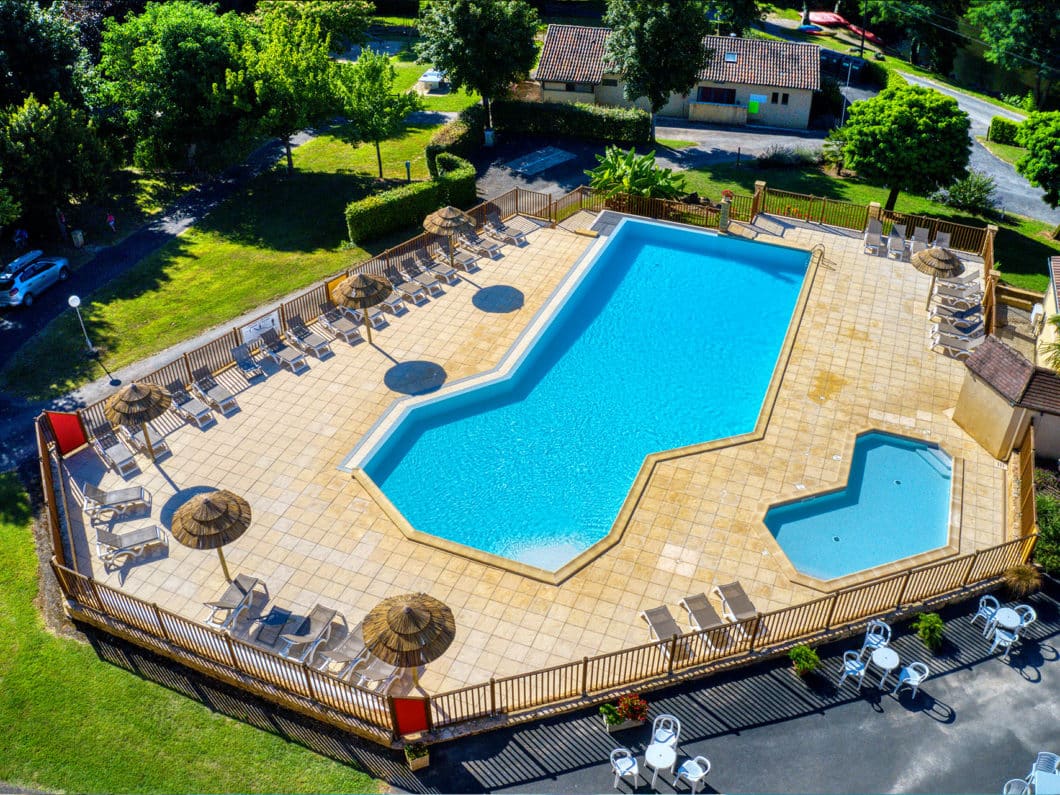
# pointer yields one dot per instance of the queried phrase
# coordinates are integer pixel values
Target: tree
(344, 21)
(485, 45)
(932, 44)
(907, 138)
(9, 208)
(1040, 135)
(51, 155)
(732, 16)
(1021, 34)
(39, 54)
(370, 102)
(637, 175)
(165, 73)
(88, 17)
(657, 47)
(290, 78)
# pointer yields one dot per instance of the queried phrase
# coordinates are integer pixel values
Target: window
(730, 57)
(718, 96)
(609, 81)
(775, 99)
(783, 99)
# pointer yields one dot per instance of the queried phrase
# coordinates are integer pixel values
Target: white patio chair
(693, 771)
(853, 666)
(1016, 786)
(1045, 762)
(877, 634)
(988, 605)
(665, 730)
(623, 763)
(942, 240)
(1003, 639)
(1027, 617)
(912, 676)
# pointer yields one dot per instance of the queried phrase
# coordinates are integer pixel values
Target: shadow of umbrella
(499, 299)
(138, 404)
(415, 378)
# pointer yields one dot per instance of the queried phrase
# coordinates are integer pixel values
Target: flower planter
(626, 724)
(418, 762)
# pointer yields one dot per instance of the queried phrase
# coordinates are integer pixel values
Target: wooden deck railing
(1027, 501)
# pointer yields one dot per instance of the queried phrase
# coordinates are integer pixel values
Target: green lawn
(1021, 247)
(278, 235)
(1010, 154)
(73, 723)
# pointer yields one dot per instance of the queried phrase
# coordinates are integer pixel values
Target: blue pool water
(670, 339)
(896, 504)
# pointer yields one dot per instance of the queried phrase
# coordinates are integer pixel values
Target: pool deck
(859, 360)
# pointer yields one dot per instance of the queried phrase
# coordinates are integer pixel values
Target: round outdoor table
(886, 659)
(1007, 618)
(659, 755)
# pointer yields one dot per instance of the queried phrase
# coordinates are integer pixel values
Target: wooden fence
(1028, 507)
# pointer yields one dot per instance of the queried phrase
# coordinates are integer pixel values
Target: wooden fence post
(754, 633)
(585, 676)
(232, 653)
(393, 716)
(971, 567)
(673, 651)
(757, 199)
(493, 697)
(901, 593)
(308, 681)
(161, 626)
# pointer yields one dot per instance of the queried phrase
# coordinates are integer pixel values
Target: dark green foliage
(39, 54)
(345, 21)
(917, 21)
(396, 8)
(732, 16)
(591, 122)
(627, 173)
(976, 193)
(456, 180)
(1040, 135)
(1003, 131)
(804, 659)
(461, 136)
(1021, 34)
(788, 157)
(391, 210)
(929, 627)
(1047, 550)
(829, 100)
(875, 74)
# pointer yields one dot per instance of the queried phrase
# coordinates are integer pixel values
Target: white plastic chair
(1045, 762)
(693, 771)
(1027, 617)
(913, 675)
(877, 634)
(665, 730)
(623, 763)
(988, 605)
(1004, 639)
(942, 240)
(853, 666)
(1016, 786)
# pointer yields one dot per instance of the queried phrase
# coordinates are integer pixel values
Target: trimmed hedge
(1003, 131)
(462, 136)
(390, 210)
(456, 180)
(591, 122)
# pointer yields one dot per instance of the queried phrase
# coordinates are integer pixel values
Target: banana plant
(622, 172)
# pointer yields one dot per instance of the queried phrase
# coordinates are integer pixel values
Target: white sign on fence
(253, 331)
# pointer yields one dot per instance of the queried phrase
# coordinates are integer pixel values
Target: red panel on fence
(411, 715)
(67, 429)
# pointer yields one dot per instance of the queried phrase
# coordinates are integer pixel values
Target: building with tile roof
(754, 81)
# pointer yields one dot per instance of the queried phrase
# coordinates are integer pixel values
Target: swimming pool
(669, 338)
(896, 503)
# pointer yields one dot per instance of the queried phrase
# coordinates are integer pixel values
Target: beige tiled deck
(859, 360)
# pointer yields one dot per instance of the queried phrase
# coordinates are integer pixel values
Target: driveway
(1015, 194)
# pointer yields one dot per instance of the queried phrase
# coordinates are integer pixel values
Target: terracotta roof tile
(572, 54)
(1002, 367)
(1043, 392)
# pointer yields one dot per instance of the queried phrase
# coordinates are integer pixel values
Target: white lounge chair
(437, 268)
(348, 654)
(135, 437)
(475, 242)
(465, 261)
(662, 627)
(919, 240)
(236, 598)
(113, 451)
(243, 356)
(305, 340)
(703, 617)
(959, 326)
(942, 240)
(282, 354)
(408, 290)
(874, 242)
(955, 346)
(971, 314)
(495, 227)
(189, 408)
(972, 301)
(117, 501)
(376, 674)
(342, 326)
(736, 605)
(314, 630)
(375, 316)
(896, 241)
(415, 273)
(212, 392)
(110, 546)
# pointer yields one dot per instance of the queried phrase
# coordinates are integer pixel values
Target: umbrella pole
(931, 291)
(416, 675)
(450, 251)
(224, 566)
(367, 325)
(147, 440)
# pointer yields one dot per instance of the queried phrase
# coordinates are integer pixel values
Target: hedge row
(591, 122)
(461, 137)
(391, 210)
(456, 180)
(1003, 131)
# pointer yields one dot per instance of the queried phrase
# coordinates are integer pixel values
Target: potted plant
(1022, 580)
(417, 755)
(929, 628)
(804, 659)
(632, 710)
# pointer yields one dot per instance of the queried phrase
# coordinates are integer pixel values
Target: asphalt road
(1014, 192)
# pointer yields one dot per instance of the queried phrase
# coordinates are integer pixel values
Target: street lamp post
(75, 302)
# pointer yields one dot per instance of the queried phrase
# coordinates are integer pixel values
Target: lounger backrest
(204, 378)
(178, 393)
(241, 353)
(94, 493)
(109, 539)
(297, 325)
(271, 338)
(662, 622)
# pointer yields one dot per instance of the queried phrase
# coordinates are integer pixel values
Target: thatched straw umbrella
(409, 631)
(937, 263)
(211, 520)
(137, 404)
(447, 222)
(362, 291)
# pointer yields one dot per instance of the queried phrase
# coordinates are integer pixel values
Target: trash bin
(77, 237)
(489, 137)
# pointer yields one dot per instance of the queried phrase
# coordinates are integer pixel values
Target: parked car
(26, 277)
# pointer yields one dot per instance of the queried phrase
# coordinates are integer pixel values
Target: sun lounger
(968, 327)
(465, 261)
(376, 674)
(375, 316)
(234, 601)
(347, 655)
(942, 240)
(212, 392)
(972, 301)
(135, 437)
(952, 290)
(497, 228)
(283, 355)
(475, 242)
(955, 346)
(244, 359)
(314, 630)
(437, 268)
(110, 546)
(973, 313)
(113, 451)
(421, 277)
(304, 339)
(342, 326)
(875, 242)
(189, 408)
(409, 290)
(119, 501)
(736, 605)
(970, 278)
(703, 617)
(662, 627)
(896, 244)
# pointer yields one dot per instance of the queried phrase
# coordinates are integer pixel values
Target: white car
(26, 277)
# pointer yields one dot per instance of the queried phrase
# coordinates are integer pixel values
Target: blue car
(26, 277)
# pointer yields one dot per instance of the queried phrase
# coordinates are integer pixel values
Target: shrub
(876, 74)
(788, 157)
(929, 628)
(1026, 102)
(804, 659)
(461, 136)
(591, 122)
(1022, 580)
(1047, 550)
(416, 750)
(1003, 131)
(621, 173)
(456, 180)
(632, 707)
(390, 210)
(976, 193)
(610, 713)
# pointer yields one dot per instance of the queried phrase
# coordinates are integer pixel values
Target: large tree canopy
(932, 43)
(369, 101)
(39, 54)
(907, 138)
(1040, 134)
(732, 16)
(483, 44)
(1021, 34)
(165, 72)
(345, 21)
(657, 47)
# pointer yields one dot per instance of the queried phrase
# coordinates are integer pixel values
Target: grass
(672, 143)
(278, 235)
(1021, 247)
(75, 723)
(1006, 152)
